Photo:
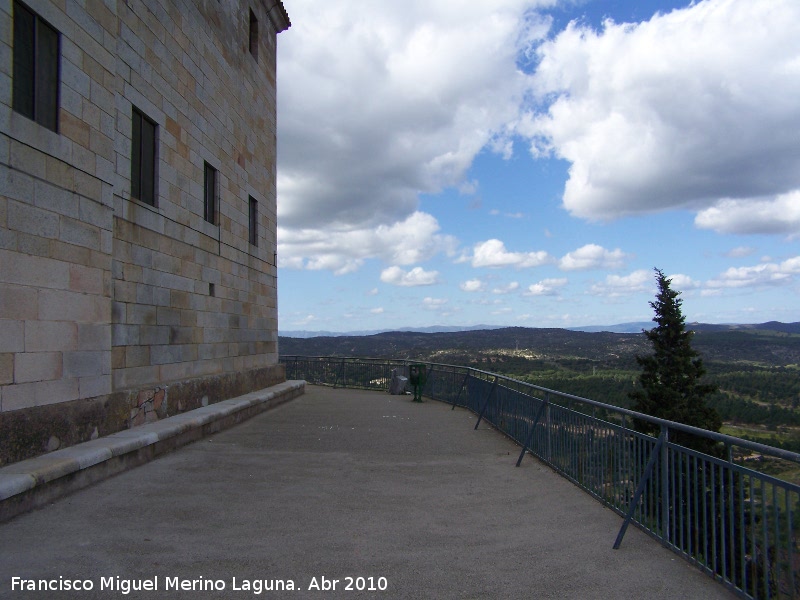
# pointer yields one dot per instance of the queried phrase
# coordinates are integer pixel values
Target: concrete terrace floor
(343, 483)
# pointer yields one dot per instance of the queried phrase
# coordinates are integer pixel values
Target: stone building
(137, 212)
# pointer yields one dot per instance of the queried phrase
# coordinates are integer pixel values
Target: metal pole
(527, 443)
(665, 488)
(486, 404)
(461, 389)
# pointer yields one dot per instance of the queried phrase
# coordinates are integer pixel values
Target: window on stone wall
(36, 67)
(143, 158)
(253, 35)
(210, 194)
(253, 222)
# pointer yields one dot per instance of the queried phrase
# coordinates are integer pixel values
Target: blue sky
(529, 162)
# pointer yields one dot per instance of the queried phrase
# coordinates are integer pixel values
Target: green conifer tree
(670, 385)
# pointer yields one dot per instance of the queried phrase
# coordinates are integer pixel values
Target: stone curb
(31, 483)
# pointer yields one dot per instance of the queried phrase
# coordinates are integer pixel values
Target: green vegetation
(754, 367)
(671, 382)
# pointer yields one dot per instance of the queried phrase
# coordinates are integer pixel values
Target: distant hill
(770, 344)
(634, 327)
(432, 329)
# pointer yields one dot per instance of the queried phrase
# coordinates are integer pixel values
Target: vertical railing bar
(640, 489)
(753, 571)
(705, 514)
(528, 439)
(696, 533)
(486, 403)
(789, 542)
(776, 543)
(665, 486)
(742, 539)
(714, 561)
(723, 532)
(463, 384)
(764, 540)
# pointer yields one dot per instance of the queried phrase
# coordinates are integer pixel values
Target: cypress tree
(670, 385)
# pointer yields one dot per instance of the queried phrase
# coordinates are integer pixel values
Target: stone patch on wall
(148, 406)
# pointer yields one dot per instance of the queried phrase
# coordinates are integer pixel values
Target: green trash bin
(417, 376)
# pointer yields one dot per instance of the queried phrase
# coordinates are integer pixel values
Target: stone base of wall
(30, 432)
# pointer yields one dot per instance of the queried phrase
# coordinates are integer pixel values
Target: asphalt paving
(340, 494)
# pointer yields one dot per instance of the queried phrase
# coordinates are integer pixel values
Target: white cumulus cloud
(415, 277)
(780, 215)
(493, 253)
(546, 287)
(343, 250)
(624, 285)
(506, 289)
(695, 108)
(472, 285)
(592, 256)
(375, 106)
(765, 274)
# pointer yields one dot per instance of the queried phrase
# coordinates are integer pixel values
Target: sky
(531, 162)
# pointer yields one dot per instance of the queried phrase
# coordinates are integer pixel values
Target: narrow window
(253, 221)
(143, 158)
(210, 194)
(35, 71)
(253, 35)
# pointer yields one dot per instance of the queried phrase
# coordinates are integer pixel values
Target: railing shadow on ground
(738, 525)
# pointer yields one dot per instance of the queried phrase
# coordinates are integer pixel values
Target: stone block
(160, 355)
(153, 335)
(168, 316)
(90, 387)
(86, 280)
(29, 219)
(137, 356)
(58, 305)
(12, 336)
(118, 354)
(76, 232)
(6, 368)
(37, 366)
(22, 269)
(45, 336)
(124, 335)
(92, 336)
(16, 397)
(54, 392)
(18, 302)
(28, 159)
(56, 199)
(90, 363)
(33, 245)
(141, 314)
(136, 377)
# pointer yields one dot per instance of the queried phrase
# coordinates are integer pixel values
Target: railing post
(461, 389)
(665, 535)
(648, 471)
(529, 439)
(488, 399)
(340, 373)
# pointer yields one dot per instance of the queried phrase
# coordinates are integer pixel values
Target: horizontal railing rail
(739, 525)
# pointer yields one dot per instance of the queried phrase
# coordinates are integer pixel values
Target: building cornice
(277, 15)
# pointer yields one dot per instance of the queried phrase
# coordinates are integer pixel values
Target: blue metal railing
(738, 525)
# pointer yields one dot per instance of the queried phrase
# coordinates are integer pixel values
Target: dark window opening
(143, 158)
(36, 68)
(210, 194)
(253, 35)
(253, 222)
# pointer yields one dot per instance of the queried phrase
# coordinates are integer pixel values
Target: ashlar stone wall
(114, 311)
